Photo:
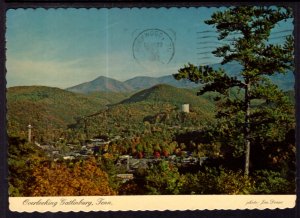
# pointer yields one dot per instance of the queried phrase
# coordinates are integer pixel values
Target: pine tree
(257, 103)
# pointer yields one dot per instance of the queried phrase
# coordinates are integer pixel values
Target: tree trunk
(247, 129)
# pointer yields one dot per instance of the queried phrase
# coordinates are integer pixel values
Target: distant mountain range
(105, 84)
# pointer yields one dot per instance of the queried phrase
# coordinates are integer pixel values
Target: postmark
(154, 45)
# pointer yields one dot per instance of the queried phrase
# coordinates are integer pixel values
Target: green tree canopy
(163, 178)
(247, 103)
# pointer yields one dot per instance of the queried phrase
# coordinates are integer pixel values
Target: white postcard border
(150, 203)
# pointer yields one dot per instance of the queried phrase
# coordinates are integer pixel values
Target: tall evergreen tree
(259, 104)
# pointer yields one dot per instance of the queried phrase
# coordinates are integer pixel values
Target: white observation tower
(185, 108)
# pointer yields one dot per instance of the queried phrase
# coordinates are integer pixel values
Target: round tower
(185, 108)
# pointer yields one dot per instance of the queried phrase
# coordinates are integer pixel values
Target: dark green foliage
(270, 182)
(260, 111)
(279, 156)
(108, 166)
(222, 181)
(164, 179)
(22, 159)
(218, 181)
(161, 178)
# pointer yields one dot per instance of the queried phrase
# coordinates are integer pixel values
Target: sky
(65, 47)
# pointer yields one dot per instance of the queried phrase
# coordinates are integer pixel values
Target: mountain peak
(162, 86)
(105, 78)
(164, 93)
(101, 83)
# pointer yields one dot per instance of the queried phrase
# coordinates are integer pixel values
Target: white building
(185, 108)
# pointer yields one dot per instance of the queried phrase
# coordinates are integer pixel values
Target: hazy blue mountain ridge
(105, 84)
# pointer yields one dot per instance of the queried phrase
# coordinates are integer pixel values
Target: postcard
(134, 109)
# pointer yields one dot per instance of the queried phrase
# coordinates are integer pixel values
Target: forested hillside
(53, 109)
(170, 94)
(47, 108)
(161, 103)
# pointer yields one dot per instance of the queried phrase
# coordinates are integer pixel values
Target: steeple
(29, 133)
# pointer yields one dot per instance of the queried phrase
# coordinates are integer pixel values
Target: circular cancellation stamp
(153, 45)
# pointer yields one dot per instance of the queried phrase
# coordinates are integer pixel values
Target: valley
(129, 132)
